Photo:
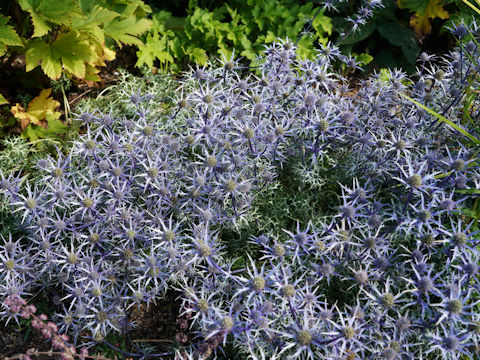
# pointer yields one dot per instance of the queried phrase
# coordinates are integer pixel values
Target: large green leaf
(425, 11)
(127, 8)
(363, 32)
(86, 5)
(418, 6)
(3, 100)
(30, 133)
(322, 24)
(154, 48)
(198, 21)
(364, 58)
(93, 20)
(55, 125)
(8, 35)
(39, 52)
(73, 52)
(126, 30)
(401, 36)
(47, 12)
(197, 55)
(69, 49)
(165, 19)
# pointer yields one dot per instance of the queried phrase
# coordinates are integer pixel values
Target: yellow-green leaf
(73, 52)
(46, 12)
(3, 100)
(52, 68)
(92, 21)
(8, 35)
(40, 26)
(55, 125)
(91, 73)
(126, 30)
(421, 21)
(39, 52)
(70, 49)
(37, 110)
(30, 133)
(197, 55)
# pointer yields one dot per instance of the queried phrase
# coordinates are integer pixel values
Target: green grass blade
(472, 6)
(445, 120)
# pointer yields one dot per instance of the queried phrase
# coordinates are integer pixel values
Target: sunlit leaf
(421, 21)
(126, 30)
(68, 49)
(3, 100)
(44, 13)
(8, 35)
(37, 109)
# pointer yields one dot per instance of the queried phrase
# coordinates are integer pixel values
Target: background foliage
(245, 26)
(66, 38)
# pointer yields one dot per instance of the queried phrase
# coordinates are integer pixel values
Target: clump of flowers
(138, 206)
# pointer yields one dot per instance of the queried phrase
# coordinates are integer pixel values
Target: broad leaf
(55, 125)
(3, 100)
(421, 20)
(197, 55)
(8, 35)
(30, 133)
(355, 37)
(69, 49)
(322, 24)
(91, 73)
(154, 48)
(128, 8)
(73, 52)
(47, 12)
(402, 37)
(364, 58)
(126, 30)
(94, 18)
(37, 110)
(38, 51)
(418, 6)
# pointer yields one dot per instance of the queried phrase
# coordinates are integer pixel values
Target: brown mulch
(15, 341)
(155, 326)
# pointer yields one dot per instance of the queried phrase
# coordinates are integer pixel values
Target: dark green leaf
(362, 33)
(403, 37)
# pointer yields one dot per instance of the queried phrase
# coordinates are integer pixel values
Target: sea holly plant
(141, 205)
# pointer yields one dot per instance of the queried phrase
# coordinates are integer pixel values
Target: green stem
(66, 105)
